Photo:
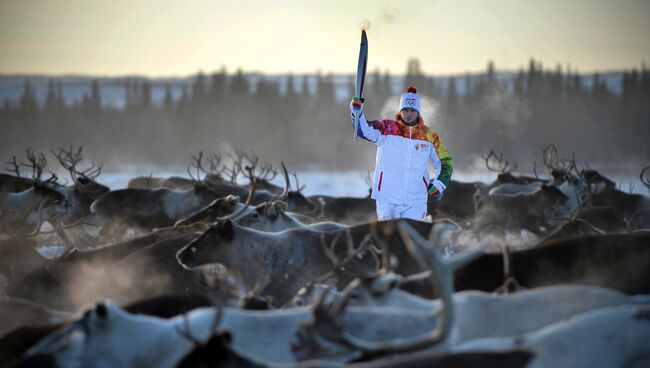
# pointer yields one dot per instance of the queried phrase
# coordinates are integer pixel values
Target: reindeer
(458, 202)
(263, 177)
(336, 332)
(19, 257)
(627, 204)
(640, 219)
(15, 313)
(293, 257)
(149, 208)
(93, 270)
(347, 210)
(464, 322)
(494, 162)
(295, 201)
(79, 226)
(195, 169)
(273, 216)
(270, 216)
(504, 209)
(23, 213)
(14, 183)
(153, 208)
(99, 272)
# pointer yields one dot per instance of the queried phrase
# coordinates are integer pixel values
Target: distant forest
(309, 127)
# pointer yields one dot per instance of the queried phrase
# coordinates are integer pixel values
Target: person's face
(408, 115)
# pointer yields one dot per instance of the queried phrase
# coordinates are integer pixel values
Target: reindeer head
(220, 232)
(206, 248)
(82, 178)
(48, 194)
(217, 208)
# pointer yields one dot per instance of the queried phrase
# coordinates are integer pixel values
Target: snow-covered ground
(338, 183)
(335, 183)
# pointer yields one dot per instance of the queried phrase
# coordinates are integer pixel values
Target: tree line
(309, 127)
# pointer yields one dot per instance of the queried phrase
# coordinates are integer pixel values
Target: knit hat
(410, 100)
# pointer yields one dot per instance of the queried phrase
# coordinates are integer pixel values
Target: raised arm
(365, 130)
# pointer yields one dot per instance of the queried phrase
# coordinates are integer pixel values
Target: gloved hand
(436, 187)
(356, 105)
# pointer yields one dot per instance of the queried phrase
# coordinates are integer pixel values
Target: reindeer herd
(549, 270)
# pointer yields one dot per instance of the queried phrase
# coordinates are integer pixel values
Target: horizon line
(573, 70)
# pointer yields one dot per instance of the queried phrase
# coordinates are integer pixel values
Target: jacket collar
(418, 126)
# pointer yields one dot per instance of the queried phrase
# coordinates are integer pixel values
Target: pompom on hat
(410, 100)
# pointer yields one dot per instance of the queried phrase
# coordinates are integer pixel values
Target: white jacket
(403, 155)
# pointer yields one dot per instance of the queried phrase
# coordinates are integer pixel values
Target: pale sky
(176, 38)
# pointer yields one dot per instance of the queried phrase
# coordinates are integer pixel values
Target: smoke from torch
(364, 25)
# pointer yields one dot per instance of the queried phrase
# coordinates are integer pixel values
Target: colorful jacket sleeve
(446, 166)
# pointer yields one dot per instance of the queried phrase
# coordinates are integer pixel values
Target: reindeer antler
(236, 168)
(299, 188)
(14, 166)
(196, 162)
(252, 161)
(37, 163)
(552, 161)
(70, 158)
(215, 160)
(249, 198)
(503, 167)
(366, 246)
(645, 181)
(267, 172)
(283, 196)
(323, 334)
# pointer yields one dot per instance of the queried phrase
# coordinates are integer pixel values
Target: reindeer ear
(271, 210)
(553, 191)
(38, 188)
(226, 336)
(202, 189)
(232, 201)
(101, 310)
(282, 206)
(227, 230)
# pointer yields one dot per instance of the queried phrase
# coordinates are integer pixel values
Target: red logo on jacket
(420, 145)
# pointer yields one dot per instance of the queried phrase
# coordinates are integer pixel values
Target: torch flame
(364, 24)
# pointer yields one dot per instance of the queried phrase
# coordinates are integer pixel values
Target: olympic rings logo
(409, 102)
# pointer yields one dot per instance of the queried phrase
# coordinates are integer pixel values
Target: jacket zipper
(381, 176)
(408, 166)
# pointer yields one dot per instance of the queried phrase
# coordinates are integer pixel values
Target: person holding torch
(405, 146)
